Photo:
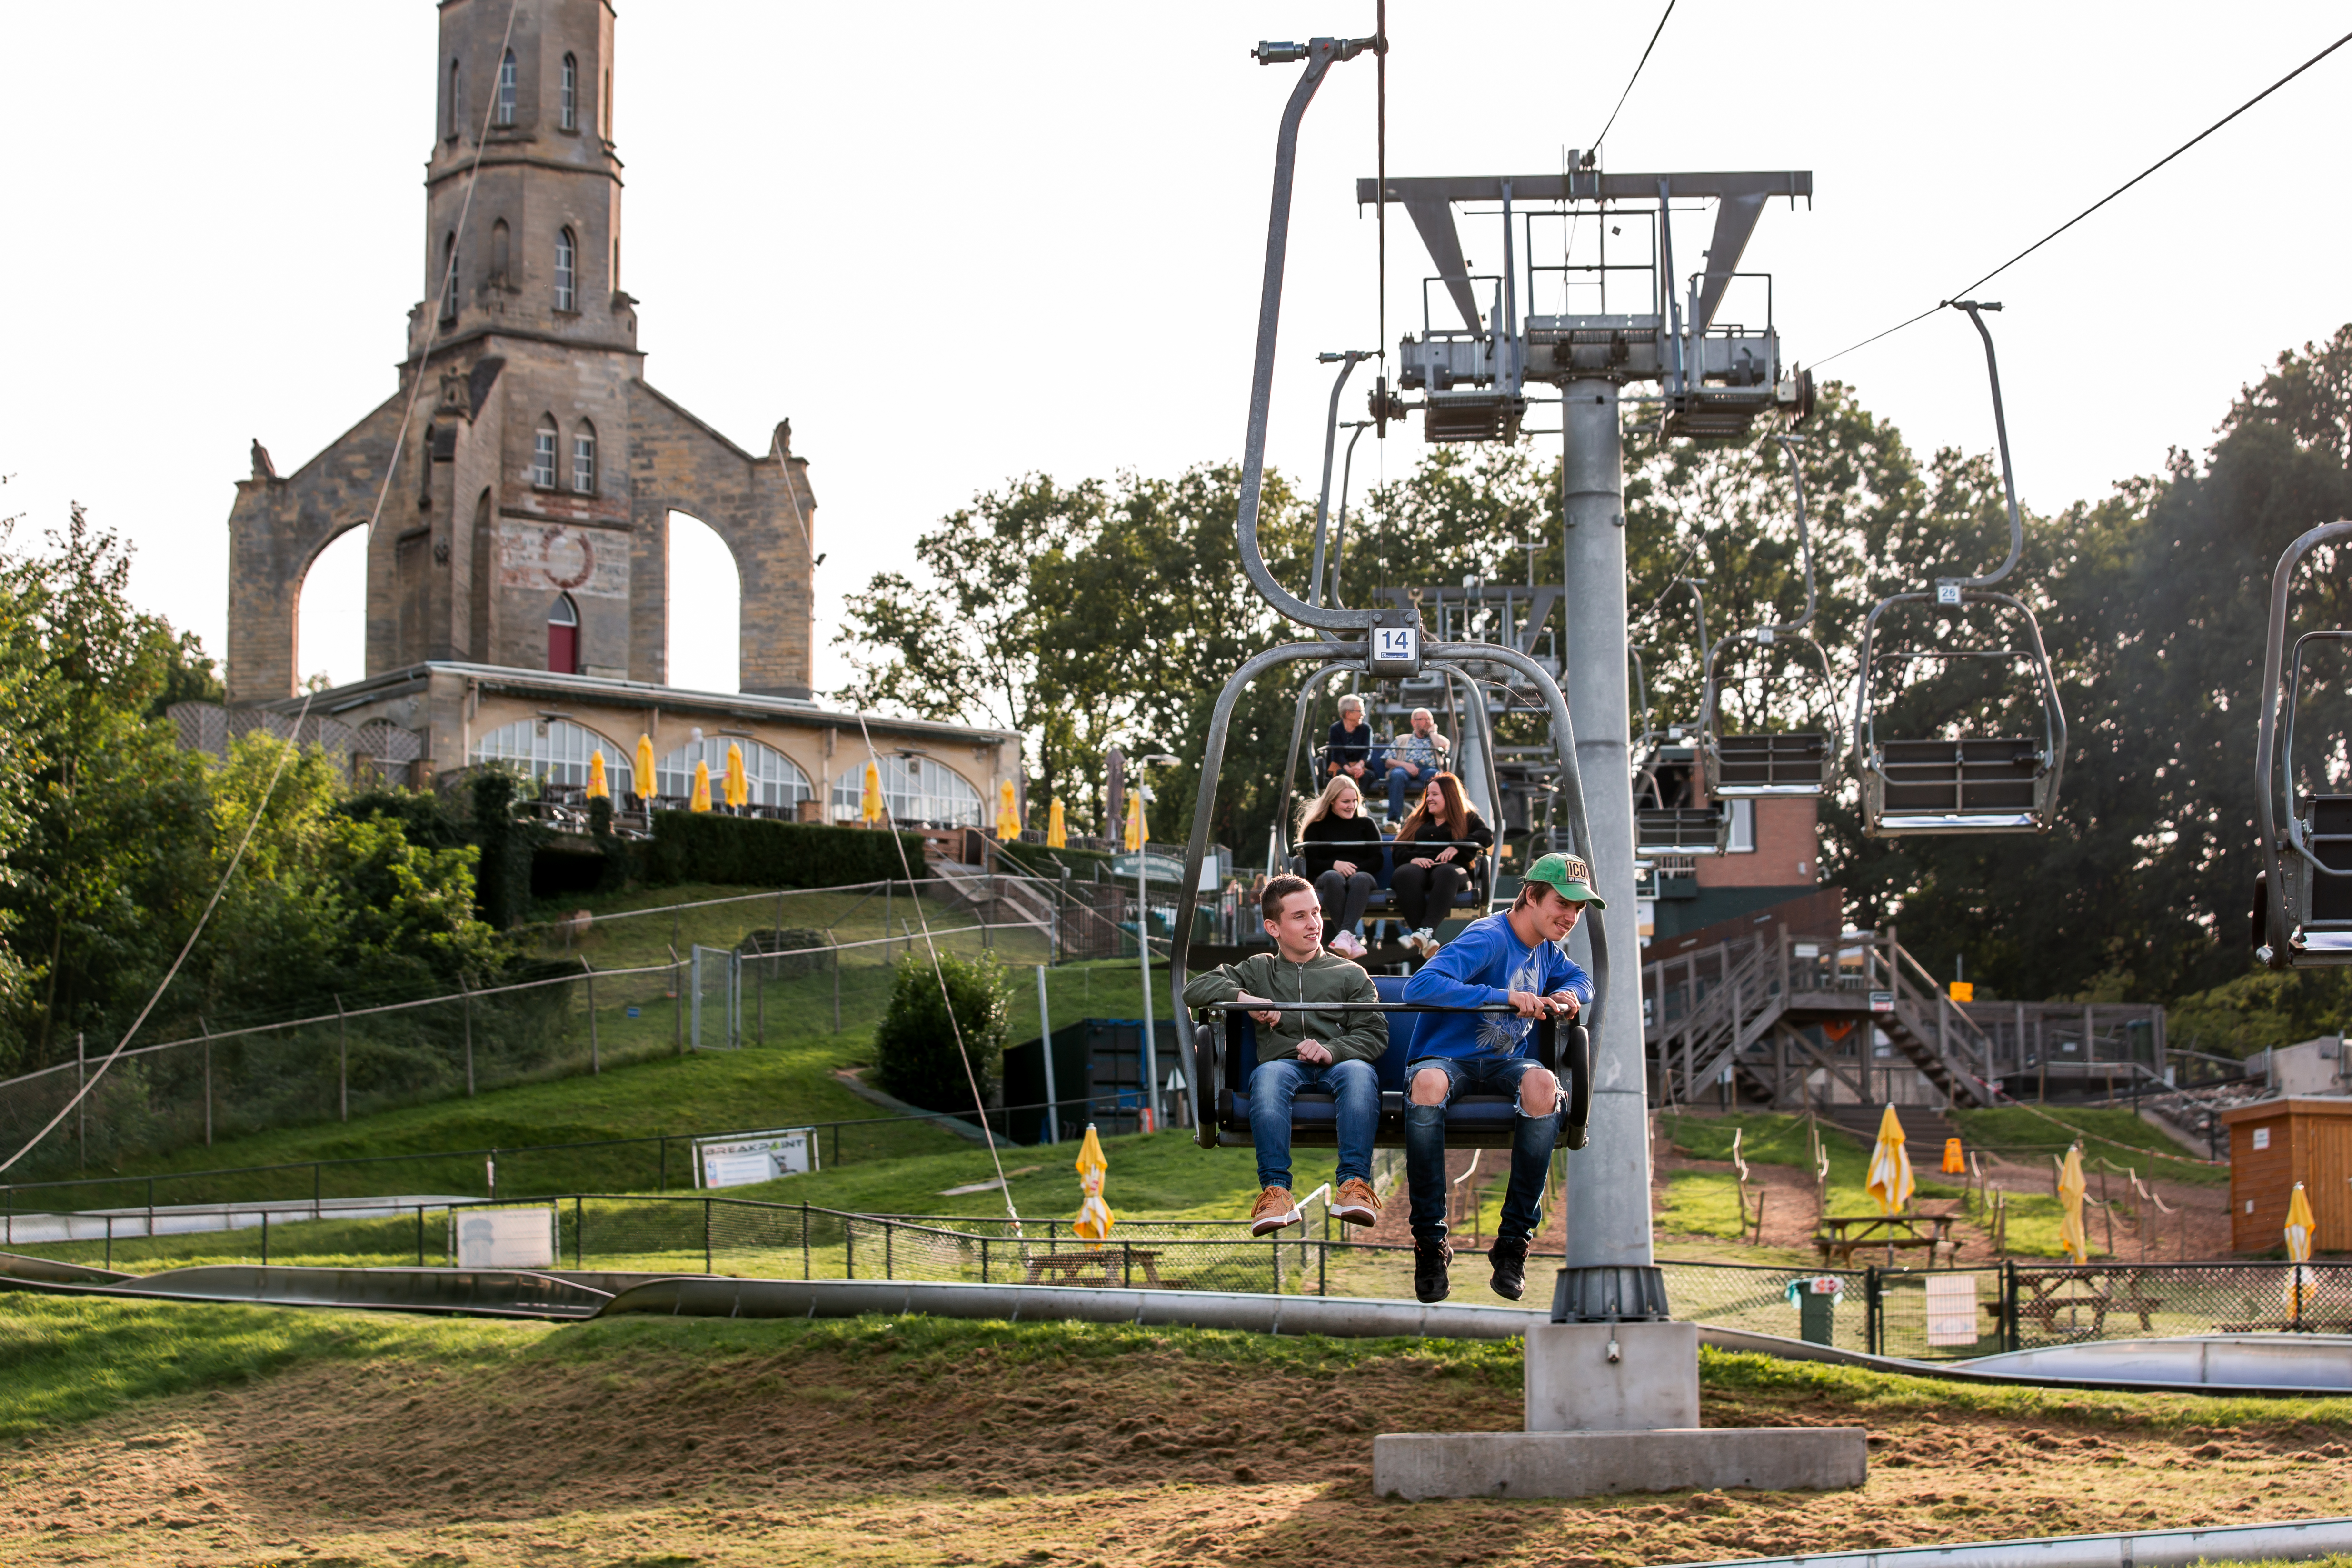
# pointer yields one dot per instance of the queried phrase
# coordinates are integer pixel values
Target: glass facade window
(507, 89)
(542, 456)
(584, 460)
(774, 779)
(570, 93)
(1743, 827)
(556, 749)
(567, 255)
(915, 789)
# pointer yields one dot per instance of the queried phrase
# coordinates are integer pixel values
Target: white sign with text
(755, 1157)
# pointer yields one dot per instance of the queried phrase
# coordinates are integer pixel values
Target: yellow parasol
(738, 787)
(645, 779)
(700, 800)
(1890, 1166)
(1135, 825)
(2072, 1237)
(1008, 819)
(597, 788)
(869, 799)
(1954, 1163)
(2299, 1227)
(1057, 832)
(1094, 1218)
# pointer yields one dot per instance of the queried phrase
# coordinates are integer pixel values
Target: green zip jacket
(1326, 977)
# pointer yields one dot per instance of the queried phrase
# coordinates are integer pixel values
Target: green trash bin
(1816, 1304)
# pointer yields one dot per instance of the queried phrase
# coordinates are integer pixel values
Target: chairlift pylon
(1964, 783)
(1773, 763)
(2303, 894)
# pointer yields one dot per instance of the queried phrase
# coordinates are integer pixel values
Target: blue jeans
(1424, 1144)
(1354, 1085)
(1401, 784)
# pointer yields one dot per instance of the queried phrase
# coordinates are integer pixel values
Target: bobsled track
(2276, 1364)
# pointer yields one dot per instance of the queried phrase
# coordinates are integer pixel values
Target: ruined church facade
(527, 522)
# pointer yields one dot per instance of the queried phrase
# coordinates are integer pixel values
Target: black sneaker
(1510, 1261)
(1430, 1259)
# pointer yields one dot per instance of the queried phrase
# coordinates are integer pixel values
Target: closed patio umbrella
(738, 787)
(2072, 1237)
(597, 788)
(1094, 1218)
(2300, 1224)
(645, 779)
(1890, 1166)
(700, 800)
(1136, 829)
(1008, 818)
(1057, 832)
(869, 799)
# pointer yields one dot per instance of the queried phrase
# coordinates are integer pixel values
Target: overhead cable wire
(294, 741)
(1966, 289)
(1634, 78)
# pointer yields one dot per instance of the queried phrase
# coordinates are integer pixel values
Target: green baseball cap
(1569, 876)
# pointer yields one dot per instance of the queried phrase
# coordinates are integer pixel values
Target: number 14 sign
(1396, 644)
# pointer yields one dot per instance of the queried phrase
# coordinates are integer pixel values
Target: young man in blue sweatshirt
(1518, 957)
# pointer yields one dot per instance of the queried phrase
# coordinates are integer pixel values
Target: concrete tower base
(1613, 1407)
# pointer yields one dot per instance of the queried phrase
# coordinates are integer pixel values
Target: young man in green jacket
(1331, 1051)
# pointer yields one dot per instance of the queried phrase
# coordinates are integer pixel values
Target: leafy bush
(915, 1048)
(705, 846)
(1043, 862)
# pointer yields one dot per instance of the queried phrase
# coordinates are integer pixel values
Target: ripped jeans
(1424, 1143)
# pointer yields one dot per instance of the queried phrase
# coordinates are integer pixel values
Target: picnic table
(2043, 1293)
(1855, 1233)
(1114, 1262)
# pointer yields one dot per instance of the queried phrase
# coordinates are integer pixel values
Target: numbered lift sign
(1396, 649)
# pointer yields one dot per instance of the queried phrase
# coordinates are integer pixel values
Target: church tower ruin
(527, 522)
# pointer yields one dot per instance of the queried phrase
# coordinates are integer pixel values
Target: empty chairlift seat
(1679, 830)
(2324, 901)
(1748, 766)
(1965, 785)
(1225, 1054)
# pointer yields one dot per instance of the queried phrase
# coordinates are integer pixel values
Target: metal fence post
(265, 1237)
(343, 1060)
(804, 1240)
(983, 1260)
(661, 1182)
(578, 1235)
(468, 992)
(420, 1236)
(836, 988)
(81, 1099)
(677, 1002)
(706, 1235)
(207, 1032)
(596, 1059)
(849, 1247)
(1873, 1306)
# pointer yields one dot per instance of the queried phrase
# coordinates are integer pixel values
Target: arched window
(500, 257)
(570, 93)
(915, 789)
(556, 749)
(583, 459)
(563, 636)
(567, 256)
(543, 454)
(775, 779)
(507, 89)
(456, 100)
(447, 282)
(605, 108)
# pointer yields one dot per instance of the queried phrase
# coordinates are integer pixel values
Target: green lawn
(2019, 1133)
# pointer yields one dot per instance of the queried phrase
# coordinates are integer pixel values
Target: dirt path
(1145, 1459)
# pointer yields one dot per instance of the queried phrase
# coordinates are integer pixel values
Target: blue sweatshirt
(1478, 967)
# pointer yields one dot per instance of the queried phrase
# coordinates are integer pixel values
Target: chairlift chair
(1748, 766)
(1677, 827)
(1964, 783)
(2303, 894)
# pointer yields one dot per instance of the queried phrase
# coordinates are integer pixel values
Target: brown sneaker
(1357, 1203)
(1276, 1208)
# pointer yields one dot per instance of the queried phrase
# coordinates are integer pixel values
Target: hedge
(707, 847)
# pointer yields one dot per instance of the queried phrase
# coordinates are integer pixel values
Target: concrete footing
(1417, 1464)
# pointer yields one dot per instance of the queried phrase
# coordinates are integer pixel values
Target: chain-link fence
(581, 994)
(1925, 1314)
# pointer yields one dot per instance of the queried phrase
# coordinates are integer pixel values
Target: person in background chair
(1417, 757)
(1435, 850)
(1339, 852)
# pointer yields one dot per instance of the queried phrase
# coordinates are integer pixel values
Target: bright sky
(956, 243)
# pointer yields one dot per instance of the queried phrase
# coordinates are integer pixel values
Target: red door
(563, 649)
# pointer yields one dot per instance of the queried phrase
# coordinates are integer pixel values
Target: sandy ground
(1147, 1459)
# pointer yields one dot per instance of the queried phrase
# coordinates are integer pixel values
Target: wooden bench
(1851, 1234)
(2043, 1294)
(1111, 1262)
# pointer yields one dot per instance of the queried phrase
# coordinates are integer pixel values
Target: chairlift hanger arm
(2000, 432)
(1319, 55)
(1339, 523)
(1789, 445)
(2267, 780)
(1347, 362)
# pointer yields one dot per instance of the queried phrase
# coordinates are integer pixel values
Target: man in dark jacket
(1331, 1051)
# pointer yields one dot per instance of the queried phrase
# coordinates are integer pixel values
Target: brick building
(518, 591)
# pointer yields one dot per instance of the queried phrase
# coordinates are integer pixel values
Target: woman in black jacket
(1426, 881)
(1341, 851)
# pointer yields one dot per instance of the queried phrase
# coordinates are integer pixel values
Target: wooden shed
(2274, 1144)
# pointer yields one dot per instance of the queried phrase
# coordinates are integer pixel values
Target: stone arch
(762, 508)
(706, 617)
(278, 528)
(331, 636)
